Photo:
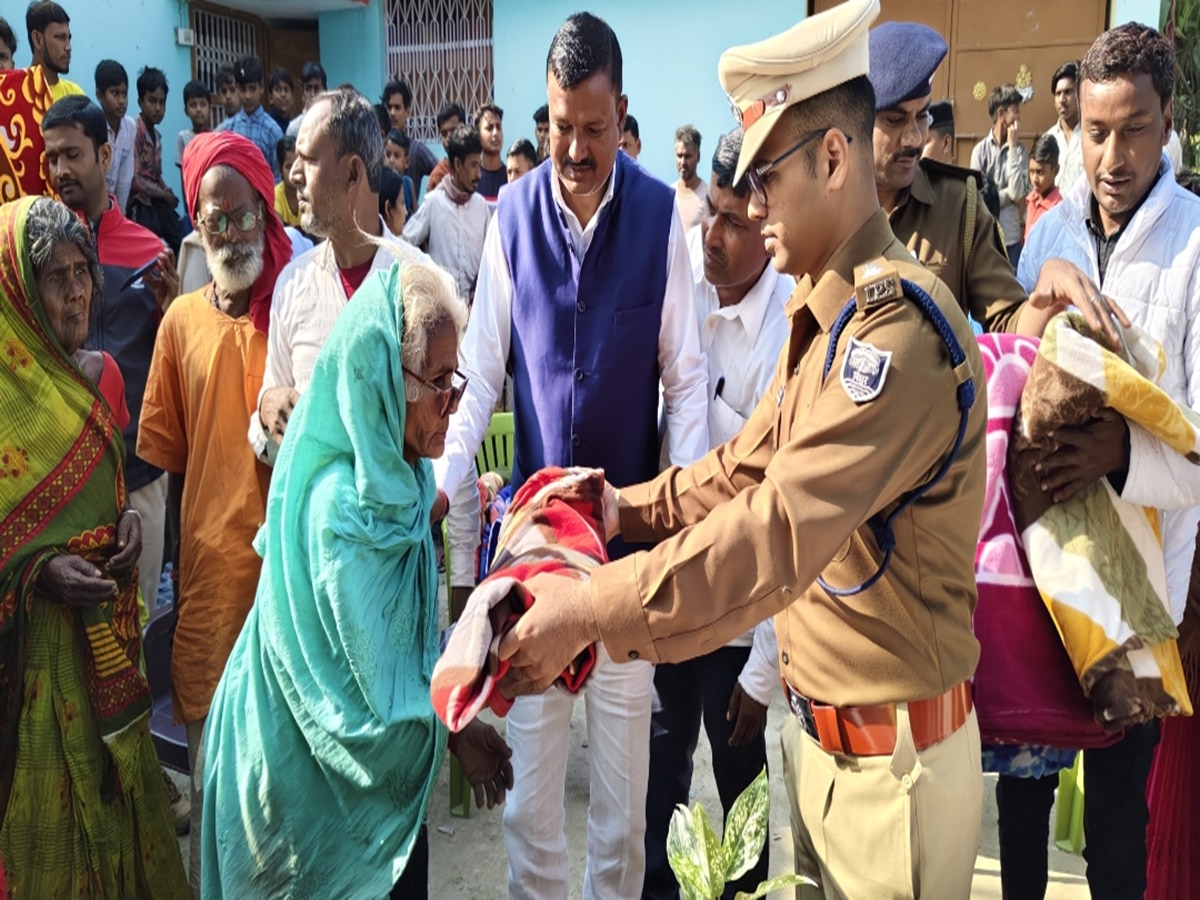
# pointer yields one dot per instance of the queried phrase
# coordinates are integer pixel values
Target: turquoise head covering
(321, 744)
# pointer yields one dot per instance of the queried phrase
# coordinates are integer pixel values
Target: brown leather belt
(871, 730)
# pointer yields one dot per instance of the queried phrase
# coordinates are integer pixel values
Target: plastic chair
(495, 455)
(1068, 817)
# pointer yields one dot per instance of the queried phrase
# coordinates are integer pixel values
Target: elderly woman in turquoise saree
(83, 808)
(322, 746)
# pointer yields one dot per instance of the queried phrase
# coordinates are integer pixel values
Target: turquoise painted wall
(353, 47)
(670, 50)
(1144, 11)
(136, 33)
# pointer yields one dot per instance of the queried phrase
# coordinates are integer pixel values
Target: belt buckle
(802, 710)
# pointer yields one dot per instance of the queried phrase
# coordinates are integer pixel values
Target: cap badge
(756, 110)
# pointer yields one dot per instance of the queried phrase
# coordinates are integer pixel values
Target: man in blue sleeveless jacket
(584, 294)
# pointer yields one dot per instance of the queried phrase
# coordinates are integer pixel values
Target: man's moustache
(915, 153)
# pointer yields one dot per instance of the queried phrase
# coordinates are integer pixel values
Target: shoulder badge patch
(864, 369)
(876, 282)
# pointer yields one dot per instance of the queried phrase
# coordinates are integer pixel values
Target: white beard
(235, 267)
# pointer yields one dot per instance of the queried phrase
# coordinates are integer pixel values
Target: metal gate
(443, 49)
(222, 38)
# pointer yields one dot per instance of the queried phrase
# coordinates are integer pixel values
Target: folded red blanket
(554, 524)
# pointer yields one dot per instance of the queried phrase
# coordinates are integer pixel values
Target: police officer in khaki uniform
(849, 504)
(935, 208)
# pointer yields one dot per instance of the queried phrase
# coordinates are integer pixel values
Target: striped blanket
(1096, 559)
(554, 524)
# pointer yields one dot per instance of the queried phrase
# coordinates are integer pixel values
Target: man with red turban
(204, 382)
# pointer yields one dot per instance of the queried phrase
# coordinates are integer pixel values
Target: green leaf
(746, 828)
(687, 854)
(771, 885)
(713, 851)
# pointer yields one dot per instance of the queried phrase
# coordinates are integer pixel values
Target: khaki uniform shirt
(931, 220)
(786, 500)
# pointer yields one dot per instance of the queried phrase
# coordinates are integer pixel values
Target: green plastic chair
(1068, 817)
(495, 455)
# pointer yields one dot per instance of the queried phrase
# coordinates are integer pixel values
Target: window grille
(443, 49)
(221, 40)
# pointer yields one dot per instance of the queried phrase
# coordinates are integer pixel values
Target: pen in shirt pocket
(720, 387)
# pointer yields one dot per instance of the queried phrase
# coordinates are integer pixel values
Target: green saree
(84, 811)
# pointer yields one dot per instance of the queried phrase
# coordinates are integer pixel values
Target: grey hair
(355, 129)
(48, 224)
(430, 302)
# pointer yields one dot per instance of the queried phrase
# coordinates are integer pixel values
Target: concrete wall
(136, 33)
(354, 47)
(670, 51)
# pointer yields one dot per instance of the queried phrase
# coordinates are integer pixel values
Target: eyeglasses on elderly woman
(447, 396)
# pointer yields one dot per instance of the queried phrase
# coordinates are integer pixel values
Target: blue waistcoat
(584, 355)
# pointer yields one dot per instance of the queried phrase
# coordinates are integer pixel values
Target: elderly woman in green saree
(321, 746)
(83, 807)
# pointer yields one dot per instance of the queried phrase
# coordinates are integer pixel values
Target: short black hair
(247, 71)
(687, 134)
(382, 116)
(77, 109)
(313, 70)
(7, 36)
(464, 141)
(195, 90)
(487, 108)
(1045, 150)
(725, 160)
(1069, 69)
(849, 107)
(450, 111)
(151, 79)
(391, 185)
(523, 147)
(1131, 49)
(941, 116)
(41, 15)
(631, 126)
(278, 77)
(399, 138)
(1002, 96)
(283, 147)
(584, 46)
(541, 115)
(398, 86)
(225, 76)
(110, 74)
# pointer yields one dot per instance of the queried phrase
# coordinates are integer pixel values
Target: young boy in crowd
(286, 203)
(391, 206)
(448, 119)
(395, 157)
(1043, 171)
(522, 159)
(112, 91)
(253, 122)
(227, 92)
(280, 88)
(151, 203)
(196, 99)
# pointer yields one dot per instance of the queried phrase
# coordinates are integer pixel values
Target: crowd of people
(275, 392)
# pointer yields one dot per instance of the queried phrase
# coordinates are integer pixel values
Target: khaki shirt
(746, 530)
(931, 219)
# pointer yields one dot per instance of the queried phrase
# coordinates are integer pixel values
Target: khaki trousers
(885, 828)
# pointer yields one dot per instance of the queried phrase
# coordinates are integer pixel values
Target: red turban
(224, 148)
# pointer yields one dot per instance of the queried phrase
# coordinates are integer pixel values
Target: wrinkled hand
(129, 544)
(1061, 284)
(549, 636)
(275, 410)
(486, 762)
(748, 715)
(1081, 455)
(163, 279)
(75, 581)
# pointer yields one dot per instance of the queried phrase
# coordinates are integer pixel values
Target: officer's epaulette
(875, 283)
(937, 167)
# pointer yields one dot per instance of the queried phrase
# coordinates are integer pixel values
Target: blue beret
(904, 56)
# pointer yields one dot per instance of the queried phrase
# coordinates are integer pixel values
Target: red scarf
(224, 148)
(454, 192)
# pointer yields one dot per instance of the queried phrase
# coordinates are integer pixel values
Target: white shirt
(484, 352)
(742, 344)
(1070, 156)
(1154, 276)
(453, 234)
(305, 305)
(119, 176)
(692, 204)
